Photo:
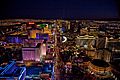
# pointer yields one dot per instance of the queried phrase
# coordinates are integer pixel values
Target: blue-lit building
(36, 72)
(15, 38)
(48, 68)
(42, 36)
(12, 72)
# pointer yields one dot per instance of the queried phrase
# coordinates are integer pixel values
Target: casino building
(100, 69)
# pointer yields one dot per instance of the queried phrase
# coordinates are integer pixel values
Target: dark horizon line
(102, 19)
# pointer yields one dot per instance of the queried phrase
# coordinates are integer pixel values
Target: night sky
(59, 9)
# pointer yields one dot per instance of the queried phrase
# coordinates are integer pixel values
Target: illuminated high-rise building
(47, 30)
(33, 33)
(34, 53)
